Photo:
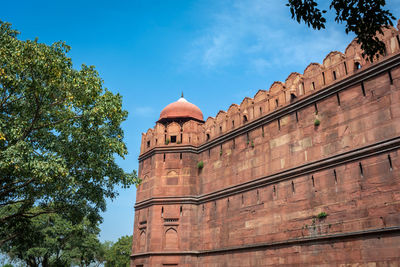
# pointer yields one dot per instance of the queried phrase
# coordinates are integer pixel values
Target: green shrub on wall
(200, 165)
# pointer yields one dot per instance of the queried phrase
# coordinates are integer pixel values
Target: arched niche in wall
(171, 239)
(142, 241)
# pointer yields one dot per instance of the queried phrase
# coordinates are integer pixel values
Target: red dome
(181, 109)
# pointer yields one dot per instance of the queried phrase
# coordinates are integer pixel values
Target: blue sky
(216, 52)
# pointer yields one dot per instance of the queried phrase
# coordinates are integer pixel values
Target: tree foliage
(118, 255)
(364, 18)
(59, 135)
(50, 240)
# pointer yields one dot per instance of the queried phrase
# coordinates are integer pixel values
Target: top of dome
(181, 109)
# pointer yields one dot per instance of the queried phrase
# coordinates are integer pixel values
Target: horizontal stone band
(372, 233)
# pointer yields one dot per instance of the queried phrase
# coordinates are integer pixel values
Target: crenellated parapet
(335, 67)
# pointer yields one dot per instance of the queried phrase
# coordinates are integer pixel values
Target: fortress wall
(363, 252)
(352, 202)
(356, 122)
(360, 197)
(168, 174)
(165, 228)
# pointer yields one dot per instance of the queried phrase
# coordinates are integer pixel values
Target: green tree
(118, 255)
(364, 18)
(59, 135)
(50, 240)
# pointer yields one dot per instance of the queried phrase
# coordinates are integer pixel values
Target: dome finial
(182, 94)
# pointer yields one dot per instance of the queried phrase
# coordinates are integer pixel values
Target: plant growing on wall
(200, 165)
(167, 141)
(322, 215)
(252, 144)
(317, 122)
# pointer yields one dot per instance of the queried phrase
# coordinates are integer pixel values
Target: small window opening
(234, 144)
(335, 176)
(302, 88)
(345, 67)
(390, 77)
(334, 75)
(203, 207)
(189, 139)
(164, 157)
(363, 88)
(262, 131)
(162, 212)
(258, 197)
(242, 199)
(148, 143)
(215, 204)
(233, 123)
(312, 86)
(338, 98)
(181, 138)
(220, 150)
(276, 103)
(260, 110)
(228, 203)
(220, 129)
(390, 163)
(361, 170)
(274, 190)
(180, 155)
(165, 137)
(357, 65)
(293, 187)
(316, 108)
(173, 138)
(312, 179)
(279, 124)
(244, 118)
(180, 211)
(247, 137)
(292, 97)
(297, 117)
(207, 137)
(323, 77)
(209, 152)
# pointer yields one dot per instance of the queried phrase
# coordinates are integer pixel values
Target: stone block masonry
(304, 174)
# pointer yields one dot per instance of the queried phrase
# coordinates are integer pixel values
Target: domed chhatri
(180, 110)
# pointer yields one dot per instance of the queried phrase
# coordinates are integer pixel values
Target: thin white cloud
(260, 35)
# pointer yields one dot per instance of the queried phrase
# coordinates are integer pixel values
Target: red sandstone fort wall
(288, 142)
(269, 171)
